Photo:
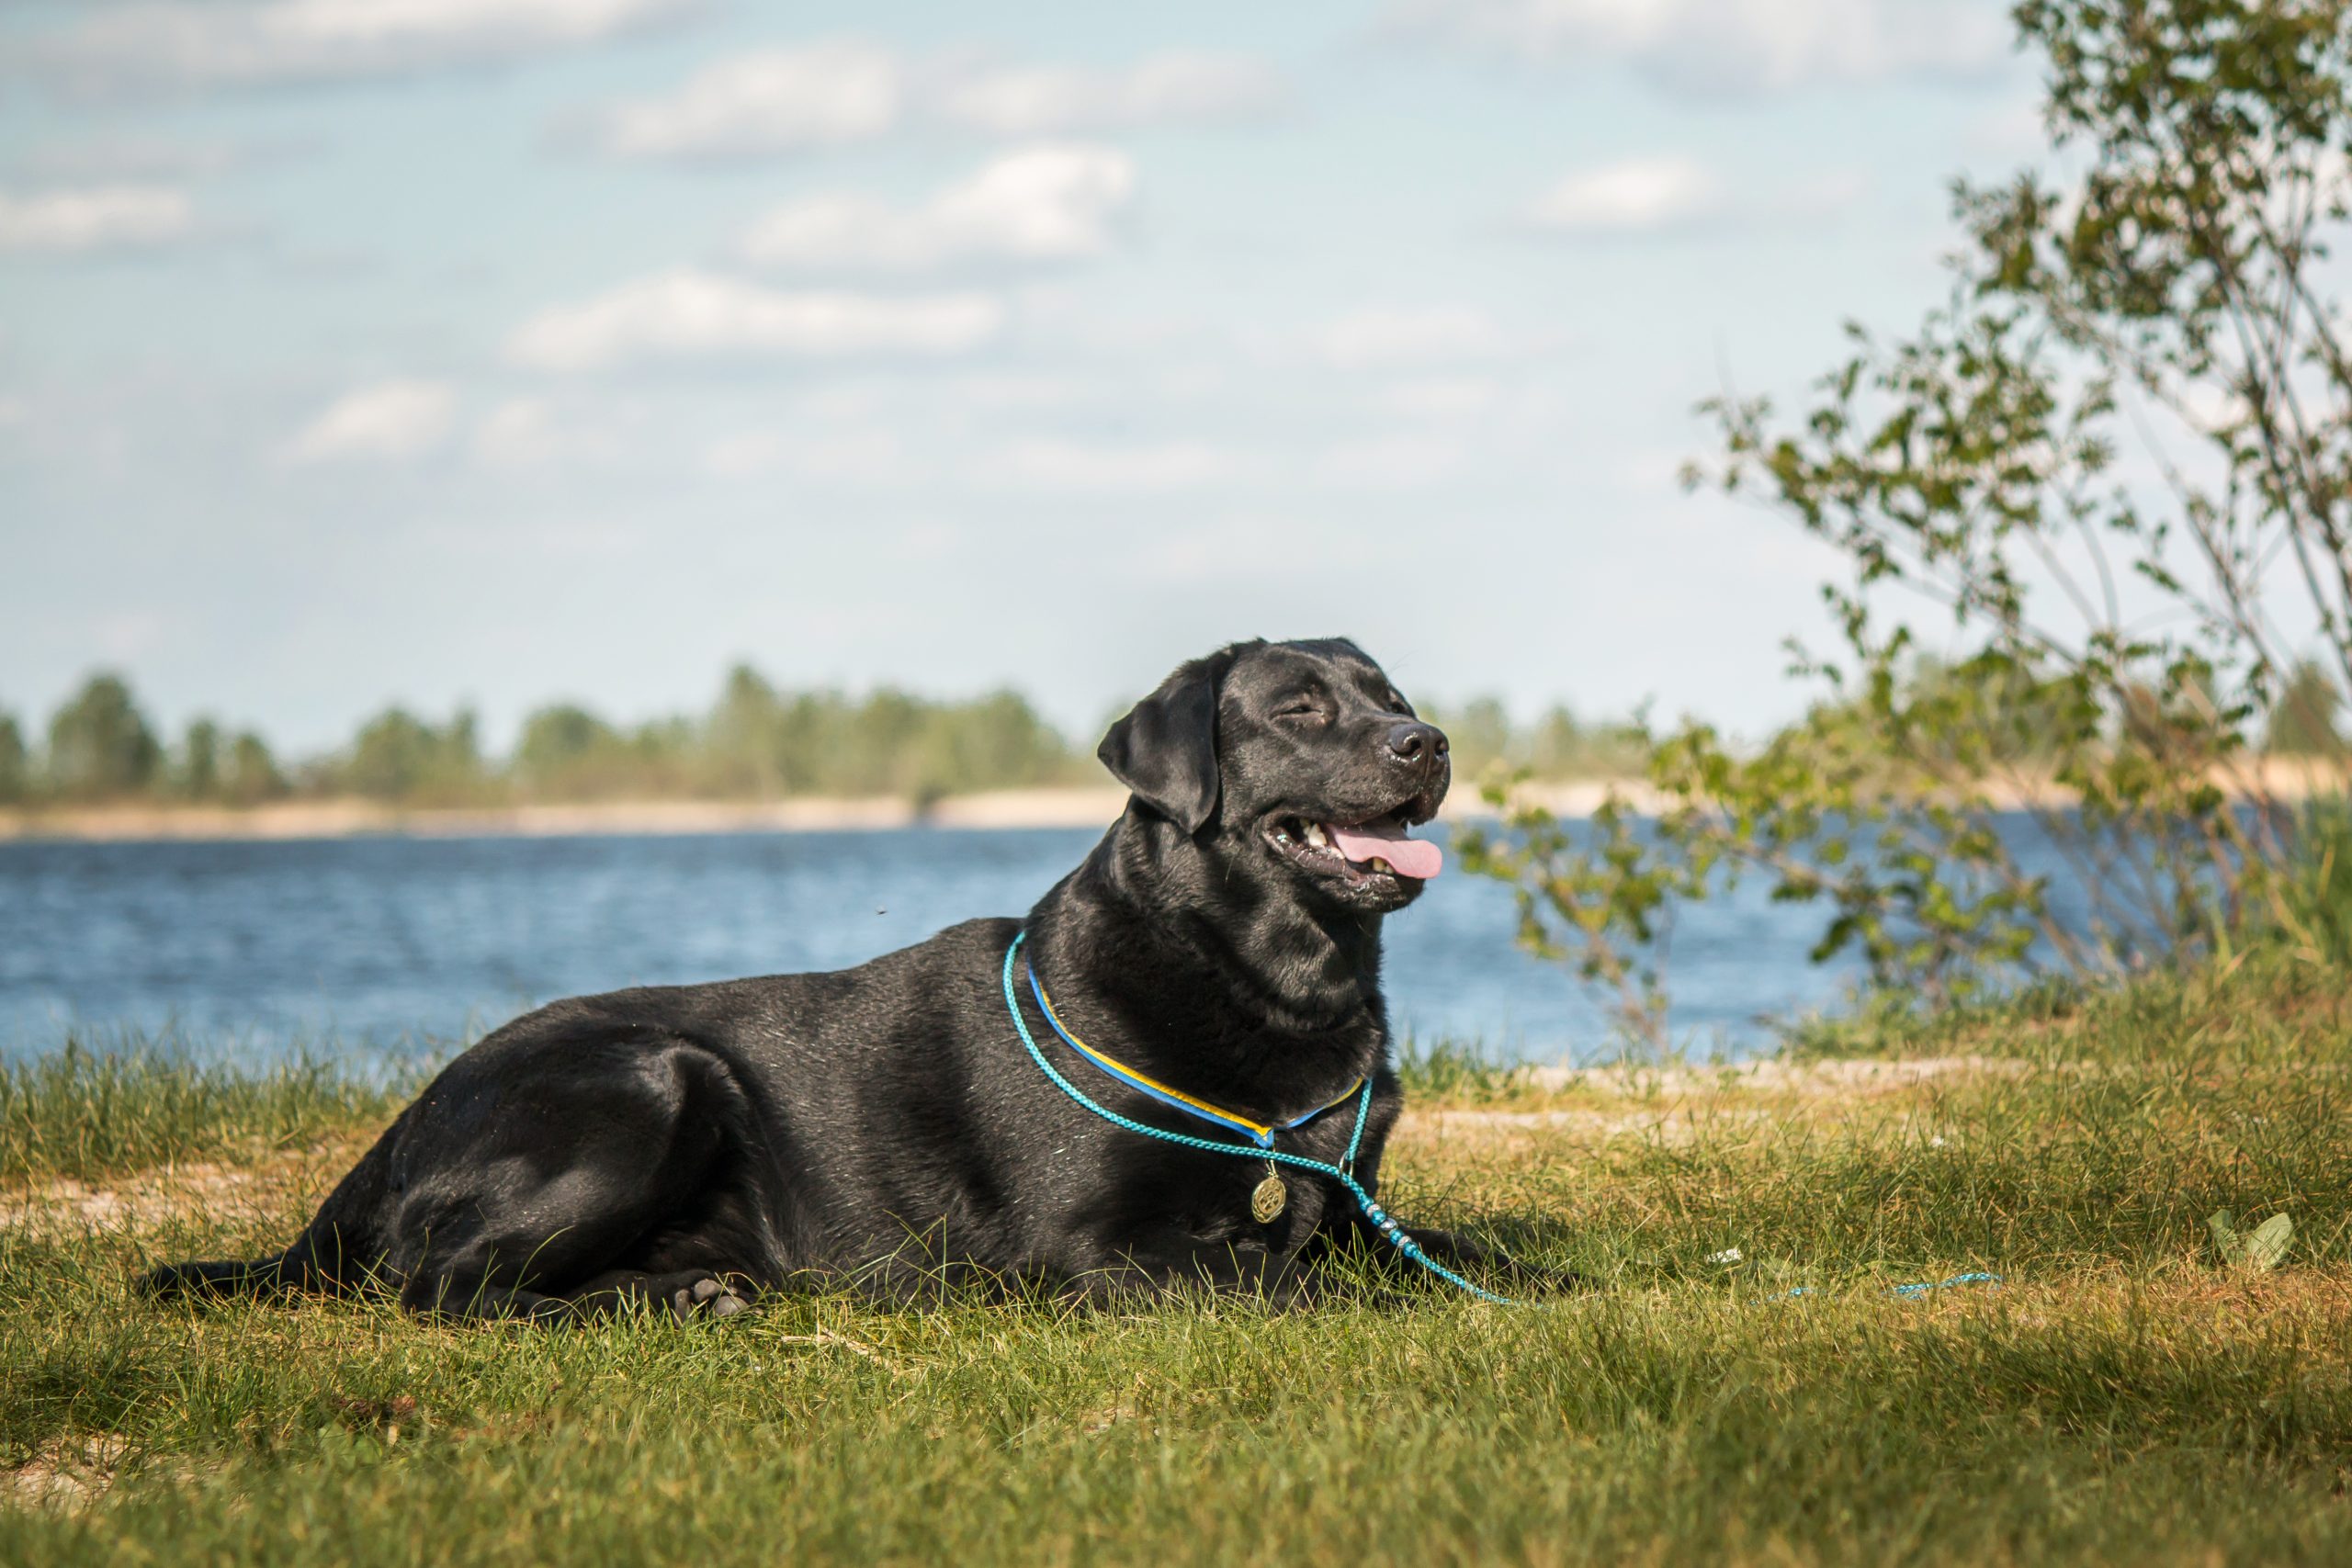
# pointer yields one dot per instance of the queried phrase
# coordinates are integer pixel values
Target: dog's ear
(1165, 749)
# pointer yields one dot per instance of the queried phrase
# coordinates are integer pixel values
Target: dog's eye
(1300, 707)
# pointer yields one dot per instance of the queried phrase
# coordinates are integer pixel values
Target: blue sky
(497, 351)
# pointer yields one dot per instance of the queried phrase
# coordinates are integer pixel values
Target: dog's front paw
(708, 1297)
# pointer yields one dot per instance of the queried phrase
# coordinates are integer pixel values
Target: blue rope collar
(1383, 1223)
(1259, 1132)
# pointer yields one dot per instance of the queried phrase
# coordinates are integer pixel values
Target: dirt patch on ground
(1675, 1103)
(1839, 1078)
(142, 1202)
(1592, 1104)
(67, 1475)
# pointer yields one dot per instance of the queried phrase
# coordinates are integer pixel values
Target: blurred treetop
(756, 741)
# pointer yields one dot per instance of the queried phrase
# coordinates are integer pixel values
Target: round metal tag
(1268, 1201)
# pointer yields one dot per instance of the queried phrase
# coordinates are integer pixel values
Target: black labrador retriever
(685, 1146)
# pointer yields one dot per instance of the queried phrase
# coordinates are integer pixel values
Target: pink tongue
(1416, 858)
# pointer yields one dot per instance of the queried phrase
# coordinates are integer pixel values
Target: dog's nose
(1415, 742)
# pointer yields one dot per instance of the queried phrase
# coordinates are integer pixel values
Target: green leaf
(2225, 1237)
(2270, 1241)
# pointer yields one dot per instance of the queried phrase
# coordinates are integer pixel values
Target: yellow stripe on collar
(1260, 1132)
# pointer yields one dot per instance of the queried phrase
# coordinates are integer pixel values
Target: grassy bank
(2125, 1396)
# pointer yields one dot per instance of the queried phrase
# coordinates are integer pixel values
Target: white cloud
(1638, 196)
(1150, 468)
(1040, 203)
(865, 458)
(390, 421)
(691, 315)
(1429, 334)
(777, 101)
(1172, 88)
(785, 100)
(97, 218)
(520, 432)
(239, 43)
(1717, 46)
(1441, 397)
(1662, 195)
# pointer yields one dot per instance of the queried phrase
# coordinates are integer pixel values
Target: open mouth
(1357, 852)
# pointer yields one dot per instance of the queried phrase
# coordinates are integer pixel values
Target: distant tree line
(759, 741)
(101, 748)
(756, 741)
(1557, 745)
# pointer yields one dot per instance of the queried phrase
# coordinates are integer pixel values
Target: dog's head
(1294, 764)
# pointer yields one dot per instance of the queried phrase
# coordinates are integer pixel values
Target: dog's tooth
(1316, 836)
(1380, 864)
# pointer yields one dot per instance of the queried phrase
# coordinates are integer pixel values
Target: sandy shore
(356, 819)
(352, 818)
(2282, 779)
(994, 808)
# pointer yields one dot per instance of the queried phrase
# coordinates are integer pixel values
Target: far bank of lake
(2282, 779)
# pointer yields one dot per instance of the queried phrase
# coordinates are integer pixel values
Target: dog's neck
(1259, 999)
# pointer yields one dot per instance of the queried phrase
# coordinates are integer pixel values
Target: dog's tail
(319, 1261)
(262, 1277)
(336, 1253)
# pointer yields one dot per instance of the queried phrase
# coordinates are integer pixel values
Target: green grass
(85, 1112)
(1457, 1072)
(2125, 1396)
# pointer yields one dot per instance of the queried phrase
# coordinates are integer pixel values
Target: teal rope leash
(1381, 1221)
(1907, 1292)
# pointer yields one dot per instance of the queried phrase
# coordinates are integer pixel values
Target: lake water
(389, 950)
